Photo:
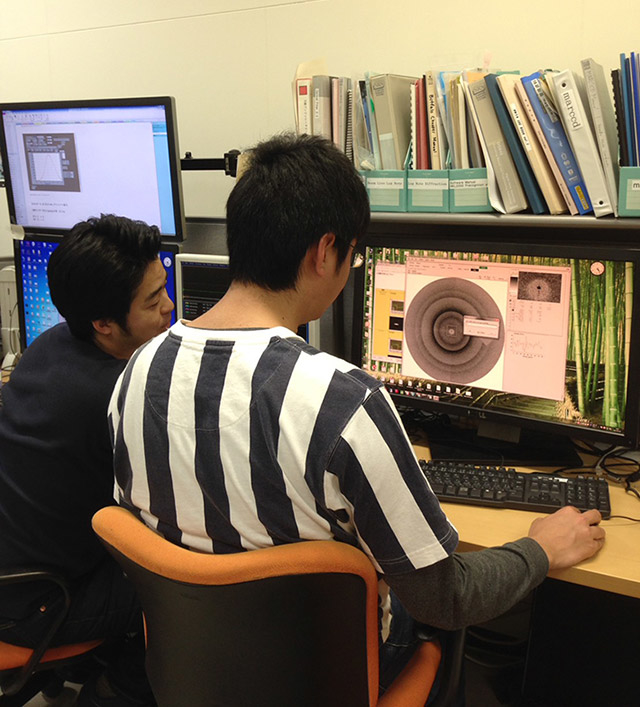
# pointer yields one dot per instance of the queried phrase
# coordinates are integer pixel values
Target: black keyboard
(500, 487)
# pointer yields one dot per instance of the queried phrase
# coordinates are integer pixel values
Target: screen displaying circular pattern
(435, 336)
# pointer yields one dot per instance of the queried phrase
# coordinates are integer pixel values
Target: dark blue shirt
(56, 466)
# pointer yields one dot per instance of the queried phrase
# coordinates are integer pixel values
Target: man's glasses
(357, 257)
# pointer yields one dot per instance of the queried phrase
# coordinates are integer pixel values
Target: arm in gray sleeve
(471, 587)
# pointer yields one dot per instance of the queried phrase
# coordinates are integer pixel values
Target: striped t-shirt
(228, 441)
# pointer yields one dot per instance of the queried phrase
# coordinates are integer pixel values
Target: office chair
(24, 672)
(289, 625)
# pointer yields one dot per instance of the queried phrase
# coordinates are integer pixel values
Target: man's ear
(103, 326)
(322, 248)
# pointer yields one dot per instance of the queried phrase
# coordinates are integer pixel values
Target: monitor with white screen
(65, 161)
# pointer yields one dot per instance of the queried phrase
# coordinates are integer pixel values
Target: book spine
(505, 171)
(365, 111)
(542, 139)
(531, 144)
(618, 105)
(529, 183)
(625, 82)
(421, 125)
(635, 97)
(604, 125)
(431, 96)
(375, 144)
(335, 110)
(574, 118)
(321, 97)
(558, 142)
(415, 147)
(348, 140)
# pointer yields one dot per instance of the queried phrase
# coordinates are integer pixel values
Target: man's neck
(251, 307)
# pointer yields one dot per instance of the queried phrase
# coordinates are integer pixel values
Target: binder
(575, 119)
(511, 192)
(321, 105)
(507, 83)
(436, 158)
(549, 120)
(391, 98)
(546, 149)
(604, 125)
(421, 160)
(627, 102)
(527, 177)
(375, 144)
(618, 104)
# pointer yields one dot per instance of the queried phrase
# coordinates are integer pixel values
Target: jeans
(103, 606)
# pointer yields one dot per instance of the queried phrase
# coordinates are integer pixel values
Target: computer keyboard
(500, 487)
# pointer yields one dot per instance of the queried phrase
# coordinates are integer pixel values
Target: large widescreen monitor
(36, 311)
(518, 336)
(65, 161)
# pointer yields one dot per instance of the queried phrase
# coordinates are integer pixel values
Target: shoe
(98, 692)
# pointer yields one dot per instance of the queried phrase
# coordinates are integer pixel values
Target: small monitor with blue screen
(66, 161)
(37, 312)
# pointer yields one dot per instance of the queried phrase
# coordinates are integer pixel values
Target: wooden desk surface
(616, 568)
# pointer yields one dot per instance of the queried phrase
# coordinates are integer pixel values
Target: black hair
(293, 191)
(95, 271)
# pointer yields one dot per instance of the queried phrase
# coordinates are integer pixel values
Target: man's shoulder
(350, 374)
(57, 352)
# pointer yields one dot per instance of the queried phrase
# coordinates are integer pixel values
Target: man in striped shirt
(231, 433)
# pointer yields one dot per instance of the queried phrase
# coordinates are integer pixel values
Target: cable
(635, 520)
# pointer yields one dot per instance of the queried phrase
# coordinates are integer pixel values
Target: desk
(616, 568)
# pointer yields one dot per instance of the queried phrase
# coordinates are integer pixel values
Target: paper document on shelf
(495, 199)
(306, 70)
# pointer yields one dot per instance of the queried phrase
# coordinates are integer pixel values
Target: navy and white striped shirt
(234, 440)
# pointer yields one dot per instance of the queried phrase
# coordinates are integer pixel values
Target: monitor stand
(503, 444)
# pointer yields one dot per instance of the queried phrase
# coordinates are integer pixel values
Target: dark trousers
(103, 606)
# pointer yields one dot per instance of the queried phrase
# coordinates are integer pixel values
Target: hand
(568, 536)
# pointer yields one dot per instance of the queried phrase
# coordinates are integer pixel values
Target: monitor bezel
(630, 437)
(185, 258)
(168, 102)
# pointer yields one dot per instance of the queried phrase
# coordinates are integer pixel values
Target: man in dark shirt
(56, 466)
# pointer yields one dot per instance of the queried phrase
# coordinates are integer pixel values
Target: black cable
(635, 520)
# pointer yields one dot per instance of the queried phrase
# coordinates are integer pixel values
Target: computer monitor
(65, 161)
(202, 280)
(540, 340)
(36, 311)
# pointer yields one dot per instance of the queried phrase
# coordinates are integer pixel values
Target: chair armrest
(412, 686)
(21, 575)
(453, 643)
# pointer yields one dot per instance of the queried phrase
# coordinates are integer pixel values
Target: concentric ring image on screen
(435, 330)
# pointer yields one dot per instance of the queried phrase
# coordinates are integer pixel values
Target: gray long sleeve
(471, 587)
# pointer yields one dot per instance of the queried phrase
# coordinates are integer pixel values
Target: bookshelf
(479, 226)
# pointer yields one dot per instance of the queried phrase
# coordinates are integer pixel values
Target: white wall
(229, 63)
